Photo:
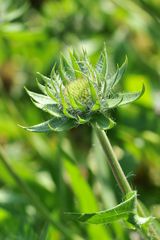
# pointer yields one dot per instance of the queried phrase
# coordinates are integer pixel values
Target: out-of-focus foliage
(71, 175)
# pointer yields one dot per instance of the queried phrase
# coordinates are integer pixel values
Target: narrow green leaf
(55, 80)
(80, 105)
(65, 105)
(121, 71)
(67, 68)
(63, 74)
(118, 75)
(75, 66)
(51, 93)
(93, 92)
(40, 98)
(48, 82)
(54, 124)
(131, 96)
(102, 64)
(72, 100)
(121, 211)
(43, 78)
(63, 101)
(104, 89)
(90, 71)
(53, 71)
(42, 127)
(76, 105)
(67, 114)
(41, 87)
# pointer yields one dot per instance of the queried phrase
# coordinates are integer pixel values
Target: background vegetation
(67, 172)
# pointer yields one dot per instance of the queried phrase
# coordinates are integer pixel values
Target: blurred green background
(67, 171)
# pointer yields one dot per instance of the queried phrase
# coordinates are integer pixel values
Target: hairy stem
(31, 196)
(119, 174)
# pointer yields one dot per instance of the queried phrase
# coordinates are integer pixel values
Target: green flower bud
(80, 93)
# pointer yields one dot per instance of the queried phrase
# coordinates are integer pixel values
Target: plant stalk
(31, 195)
(119, 174)
(113, 162)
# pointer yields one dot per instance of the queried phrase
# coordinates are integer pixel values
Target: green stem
(31, 195)
(113, 162)
(119, 174)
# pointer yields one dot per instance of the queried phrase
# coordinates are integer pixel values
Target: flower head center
(79, 90)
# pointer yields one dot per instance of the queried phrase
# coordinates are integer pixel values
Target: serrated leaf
(103, 122)
(131, 96)
(121, 211)
(54, 124)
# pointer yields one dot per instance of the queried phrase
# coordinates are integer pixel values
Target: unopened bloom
(80, 93)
